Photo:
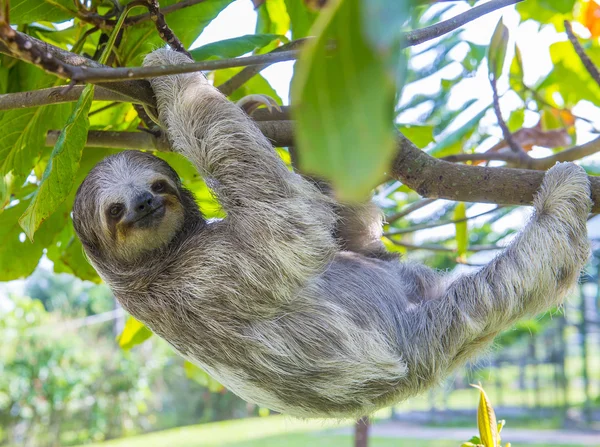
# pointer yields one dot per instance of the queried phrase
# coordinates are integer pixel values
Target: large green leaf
(256, 85)
(27, 11)
(22, 142)
(452, 142)
(238, 46)
(301, 18)
(272, 18)
(187, 24)
(19, 256)
(59, 176)
(344, 105)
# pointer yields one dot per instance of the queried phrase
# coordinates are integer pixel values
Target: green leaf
(256, 85)
(301, 18)
(497, 50)
(18, 256)
(516, 70)
(547, 11)
(238, 46)
(457, 137)
(67, 256)
(272, 19)
(462, 230)
(58, 179)
(383, 21)
(516, 120)
(486, 420)
(345, 105)
(200, 376)
(421, 136)
(134, 333)
(27, 11)
(22, 143)
(187, 24)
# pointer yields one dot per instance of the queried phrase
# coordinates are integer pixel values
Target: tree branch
(585, 60)
(572, 154)
(439, 29)
(56, 95)
(413, 228)
(138, 91)
(428, 176)
(107, 23)
(409, 209)
(166, 33)
(440, 179)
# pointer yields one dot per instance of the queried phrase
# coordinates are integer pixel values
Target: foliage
(489, 428)
(50, 381)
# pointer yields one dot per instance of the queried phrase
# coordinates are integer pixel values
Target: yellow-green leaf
(58, 179)
(134, 333)
(200, 376)
(497, 50)
(462, 234)
(486, 420)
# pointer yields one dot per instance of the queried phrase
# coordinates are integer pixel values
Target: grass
(275, 431)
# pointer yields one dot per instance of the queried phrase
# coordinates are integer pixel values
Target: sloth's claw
(250, 103)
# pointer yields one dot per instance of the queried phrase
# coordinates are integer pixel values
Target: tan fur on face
(130, 242)
(118, 180)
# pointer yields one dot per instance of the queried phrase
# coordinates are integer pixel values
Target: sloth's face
(134, 203)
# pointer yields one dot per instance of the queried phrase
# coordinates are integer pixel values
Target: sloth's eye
(159, 186)
(115, 210)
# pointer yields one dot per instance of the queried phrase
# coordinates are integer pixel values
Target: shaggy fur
(268, 303)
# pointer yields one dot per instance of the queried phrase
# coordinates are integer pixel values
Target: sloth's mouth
(147, 219)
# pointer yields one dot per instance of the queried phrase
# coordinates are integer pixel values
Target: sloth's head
(130, 204)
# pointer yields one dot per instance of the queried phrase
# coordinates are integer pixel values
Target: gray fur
(268, 303)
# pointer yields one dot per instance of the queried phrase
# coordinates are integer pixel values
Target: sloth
(290, 301)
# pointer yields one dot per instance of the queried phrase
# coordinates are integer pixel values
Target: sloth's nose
(143, 203)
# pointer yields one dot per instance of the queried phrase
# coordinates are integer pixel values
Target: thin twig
(414, 228)
(585, 60)
(163, 29)
(571, 154)
(235, 82)
(102, 109)
(409, 209)
(105, 22)
(443, 248)
(439, 29)
(485, 156)
(508, 137)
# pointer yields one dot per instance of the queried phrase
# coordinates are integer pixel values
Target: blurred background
(74, 370)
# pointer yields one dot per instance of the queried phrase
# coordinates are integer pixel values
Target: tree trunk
(361, 432)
